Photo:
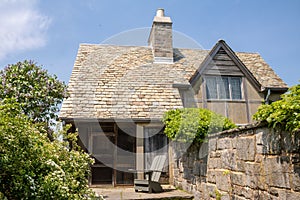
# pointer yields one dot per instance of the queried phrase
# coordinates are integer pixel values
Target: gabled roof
(121, 82)
(258, 72)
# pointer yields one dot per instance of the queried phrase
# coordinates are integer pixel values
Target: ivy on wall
(284, 113)
(193, 124)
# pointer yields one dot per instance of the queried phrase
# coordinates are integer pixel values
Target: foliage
(284, 113)
(38, 92)
(32, 167)
(218, 194)
(193, 124)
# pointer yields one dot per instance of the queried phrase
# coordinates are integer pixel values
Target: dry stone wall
(254, 162)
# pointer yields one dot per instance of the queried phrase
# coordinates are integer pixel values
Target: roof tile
(118, 82)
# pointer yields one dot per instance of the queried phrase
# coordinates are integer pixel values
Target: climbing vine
(193, 124)
(284, 113)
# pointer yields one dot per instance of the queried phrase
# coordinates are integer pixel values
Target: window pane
(211, 88)
(236, 88)
(223, 85)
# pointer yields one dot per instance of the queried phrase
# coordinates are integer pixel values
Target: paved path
(115, 193)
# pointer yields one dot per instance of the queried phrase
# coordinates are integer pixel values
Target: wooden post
(140, 150)
(171, 164)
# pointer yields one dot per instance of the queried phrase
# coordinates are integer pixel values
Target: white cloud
(22, 26)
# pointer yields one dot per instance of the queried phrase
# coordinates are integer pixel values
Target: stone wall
(254, 162)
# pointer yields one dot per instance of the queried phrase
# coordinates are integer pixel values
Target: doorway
(113, 147)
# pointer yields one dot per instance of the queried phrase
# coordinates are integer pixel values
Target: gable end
(223, 61)
(222, 64)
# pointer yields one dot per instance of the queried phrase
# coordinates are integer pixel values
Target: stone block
(247, 192)
(273, 191)
(203, 151)
(259, 158)
(223, 181)
(237, 178)
(277, 172)
(234, 142)
(240, 165)
(290, 142)
(289, 195)
(259, 136)
(211, 176)
(251, 181)
(225, 196)
(261, 182)
(243, 191)
(262, 195)
(204, 194)
(260, 149)
(237, 190)
(224, 143)
(197, 195)
(212, 145)
(252, 168)
(210, 188)
(214, 163)
(238, 198)
(295, 178)
(273, 143)
(228, 158)
(246, 148)
(263, 140)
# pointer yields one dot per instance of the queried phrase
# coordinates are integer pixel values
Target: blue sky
(49, 32)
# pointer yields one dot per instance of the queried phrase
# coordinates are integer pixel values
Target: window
(223, 87)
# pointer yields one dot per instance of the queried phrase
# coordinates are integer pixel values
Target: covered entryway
(113, 148)
(116, 149)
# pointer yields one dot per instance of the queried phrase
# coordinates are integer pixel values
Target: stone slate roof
(261, 70)
(121, 82)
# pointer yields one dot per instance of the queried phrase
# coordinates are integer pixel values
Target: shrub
(33, 167)
(193, 124)
(284, 113)
(39, 93)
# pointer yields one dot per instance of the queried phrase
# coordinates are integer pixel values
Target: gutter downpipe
(267, 97)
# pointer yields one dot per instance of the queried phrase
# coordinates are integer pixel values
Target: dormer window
(223, 88)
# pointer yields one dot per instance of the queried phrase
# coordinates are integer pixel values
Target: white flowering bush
(38, 92)
(33, 167)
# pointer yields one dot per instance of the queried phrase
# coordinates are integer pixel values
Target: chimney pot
(160, 12)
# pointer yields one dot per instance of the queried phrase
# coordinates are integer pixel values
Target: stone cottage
(118, 95)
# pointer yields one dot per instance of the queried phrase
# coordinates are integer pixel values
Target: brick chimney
(160, 38)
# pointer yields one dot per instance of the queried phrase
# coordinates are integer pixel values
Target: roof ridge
(112, 45)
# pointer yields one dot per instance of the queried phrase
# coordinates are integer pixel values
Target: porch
(120, 146)
(114, 193)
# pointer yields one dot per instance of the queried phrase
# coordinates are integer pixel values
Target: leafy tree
(193, 124)
(32, 167)
(38, 92)
(284, 113)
